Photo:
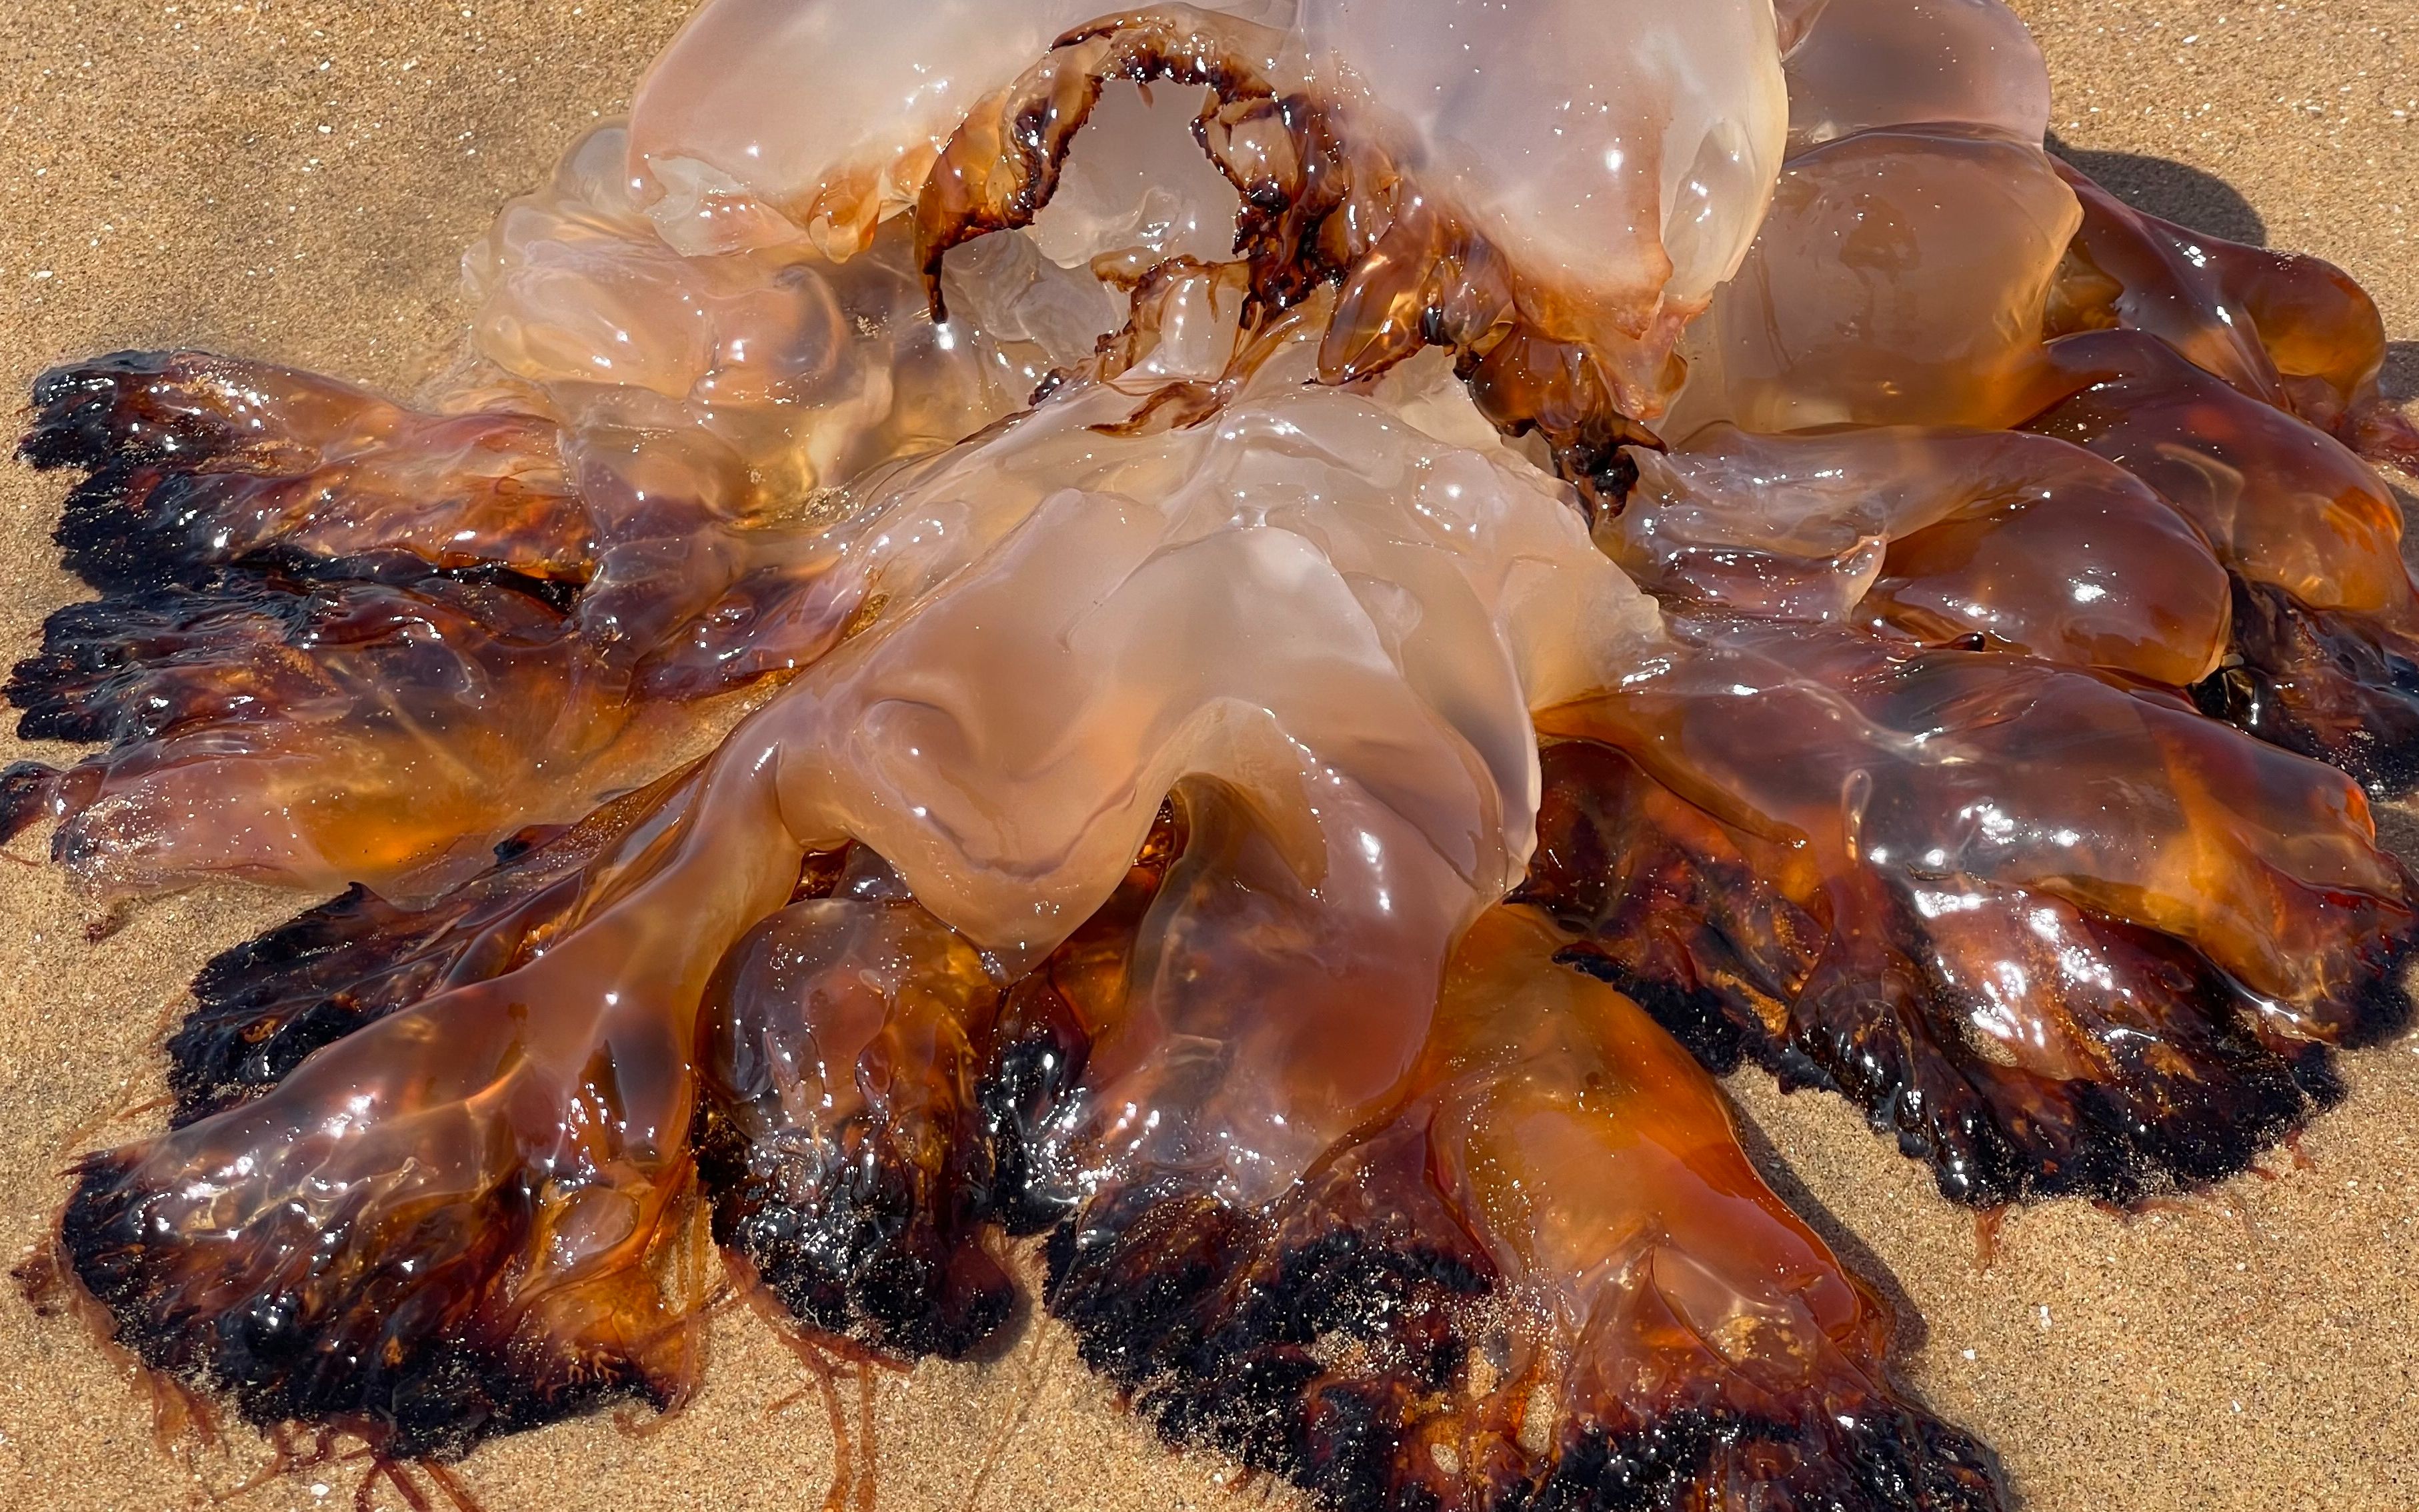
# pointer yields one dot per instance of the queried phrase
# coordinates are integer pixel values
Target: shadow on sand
(2187, 195)
(2171, 191)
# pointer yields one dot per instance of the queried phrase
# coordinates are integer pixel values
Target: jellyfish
(1240, 642)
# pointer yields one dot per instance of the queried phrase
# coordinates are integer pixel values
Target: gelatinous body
(1938, 535)
(1897, 280)
(1876, 64)
(1972, 891)
(1240, 638)
(1553, 230)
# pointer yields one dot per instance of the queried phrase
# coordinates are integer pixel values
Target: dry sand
(295, 180)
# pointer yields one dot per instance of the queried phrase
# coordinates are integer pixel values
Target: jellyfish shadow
(2177, 191)
(1911, 1331)
(2171, 191)
(2399, 377)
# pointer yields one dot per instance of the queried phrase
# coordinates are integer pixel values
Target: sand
(296, 180)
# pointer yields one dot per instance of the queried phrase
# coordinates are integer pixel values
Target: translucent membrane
(1938, 535)
(1875, 64)
(1624, 148)
(1897, 280)
(1553, 230)
(1316, 605)
(1969, 890)
(1619, 147)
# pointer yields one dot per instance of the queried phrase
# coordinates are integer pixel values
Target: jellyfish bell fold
(1972, 891)
(1241, 639)
(1937, 535)
(1553, 210)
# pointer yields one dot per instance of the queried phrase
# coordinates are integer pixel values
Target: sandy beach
(296, 180)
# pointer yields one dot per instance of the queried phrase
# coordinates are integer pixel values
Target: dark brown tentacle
(1319, 206)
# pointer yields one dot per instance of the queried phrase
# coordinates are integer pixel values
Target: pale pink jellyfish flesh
(1244, 636)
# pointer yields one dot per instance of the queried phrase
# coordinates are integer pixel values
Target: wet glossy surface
(1935, 534)
(1972, 891)
(1153, 669)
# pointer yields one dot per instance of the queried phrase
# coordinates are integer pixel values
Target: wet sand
(297, 180)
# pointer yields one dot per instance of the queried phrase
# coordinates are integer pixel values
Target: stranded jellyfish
(1239, 641)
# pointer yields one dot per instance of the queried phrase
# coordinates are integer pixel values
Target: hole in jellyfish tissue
(1136, 190)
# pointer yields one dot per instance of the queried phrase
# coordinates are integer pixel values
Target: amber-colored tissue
(1299, 621)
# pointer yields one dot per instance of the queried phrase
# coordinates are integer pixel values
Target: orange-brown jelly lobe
(840, 1048)
(1598, 1163)
(264, 1005)
(1950, 764)
(2280, 502)
(2292, 330)
(1935, 533)
(2022, 576)
(2120, 1064)
(2324, 611)
(1548, 1268)
(478, 1212)
(289, 731)
(1972, 892)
